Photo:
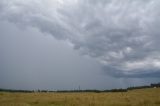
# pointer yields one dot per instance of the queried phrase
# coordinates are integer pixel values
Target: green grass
(142, 97)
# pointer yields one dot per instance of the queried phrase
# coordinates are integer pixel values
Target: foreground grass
(143, 97)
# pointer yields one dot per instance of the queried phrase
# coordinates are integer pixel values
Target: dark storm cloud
(122, 35)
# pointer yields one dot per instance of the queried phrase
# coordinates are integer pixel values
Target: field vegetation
(139, 97)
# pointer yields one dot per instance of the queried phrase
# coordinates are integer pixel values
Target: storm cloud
(122, 35)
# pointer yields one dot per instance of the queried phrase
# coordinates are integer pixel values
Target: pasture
(141, 97)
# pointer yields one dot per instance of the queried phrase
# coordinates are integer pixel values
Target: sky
(64, 44)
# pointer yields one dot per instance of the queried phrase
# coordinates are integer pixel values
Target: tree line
(156, 85)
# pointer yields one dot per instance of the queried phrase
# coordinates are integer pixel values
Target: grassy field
(142, 97)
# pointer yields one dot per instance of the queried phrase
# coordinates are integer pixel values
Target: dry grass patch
(143, 97)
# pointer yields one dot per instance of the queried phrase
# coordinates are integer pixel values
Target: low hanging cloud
(123, 35)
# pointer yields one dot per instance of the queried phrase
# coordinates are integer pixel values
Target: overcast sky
(64, 44)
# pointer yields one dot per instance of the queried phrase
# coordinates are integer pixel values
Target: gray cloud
(122, 35)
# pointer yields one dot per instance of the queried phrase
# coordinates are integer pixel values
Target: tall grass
(142, 97)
